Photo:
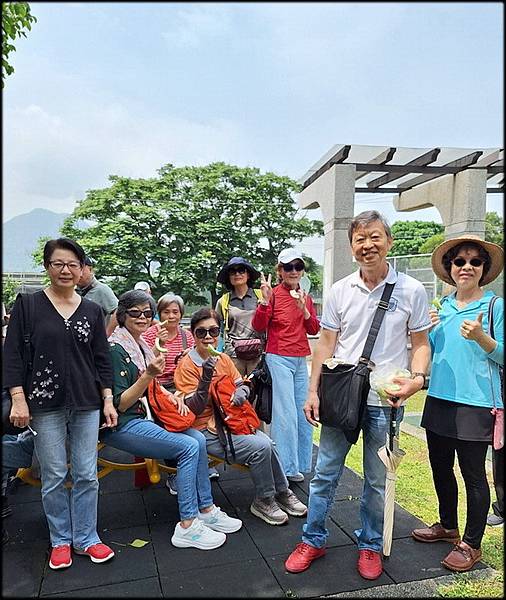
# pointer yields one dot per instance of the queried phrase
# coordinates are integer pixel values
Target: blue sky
(123, 88)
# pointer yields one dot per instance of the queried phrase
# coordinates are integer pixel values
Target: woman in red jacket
(288, 315)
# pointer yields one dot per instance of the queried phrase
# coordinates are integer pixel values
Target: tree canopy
(494, 228)
(410, 235)
(178, 229)
(16, 17)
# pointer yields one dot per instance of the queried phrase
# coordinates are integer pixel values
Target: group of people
(127, 371)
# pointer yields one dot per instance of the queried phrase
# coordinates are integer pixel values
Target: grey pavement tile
(238, 548)
(161, 506)
(129, 564)
(23, 568)
(21, 492)
(252, 580)
(333, 573)
(140, 588)
(27, 523)
(125, 509)
(412, 561)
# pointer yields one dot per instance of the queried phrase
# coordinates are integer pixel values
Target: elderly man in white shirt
(347, 316)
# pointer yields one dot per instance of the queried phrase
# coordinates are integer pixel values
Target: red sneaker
(302, 557)
(369, 564)
(98, 553)
(61, 557)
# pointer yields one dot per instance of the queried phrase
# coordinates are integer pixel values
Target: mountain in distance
(20, 236)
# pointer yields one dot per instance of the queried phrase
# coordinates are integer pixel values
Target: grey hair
(132, 298)
(366, 217)
(169, 298)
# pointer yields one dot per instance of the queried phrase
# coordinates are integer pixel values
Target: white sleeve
(419, 318)
(331, 318)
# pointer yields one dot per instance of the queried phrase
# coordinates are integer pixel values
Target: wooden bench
(105, 466)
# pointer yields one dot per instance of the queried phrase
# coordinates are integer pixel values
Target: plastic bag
(381, 380)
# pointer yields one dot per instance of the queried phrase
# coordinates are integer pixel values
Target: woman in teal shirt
(464, 387)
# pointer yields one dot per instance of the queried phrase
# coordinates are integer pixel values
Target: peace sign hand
(265, 287)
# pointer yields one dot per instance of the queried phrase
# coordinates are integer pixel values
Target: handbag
(343, 390)
(249, 349)
(261, 395)
(165, 412)
(498, 434)
(26, 313)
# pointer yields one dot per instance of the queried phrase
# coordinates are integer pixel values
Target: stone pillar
(461, 200)
(334, 192)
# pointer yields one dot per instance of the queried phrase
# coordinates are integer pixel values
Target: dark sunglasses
(298, 266)
(237, 270)
(474, 262)
(201, 332)
(135, 313)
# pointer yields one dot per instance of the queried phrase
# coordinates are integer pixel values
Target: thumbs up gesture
(472, 330)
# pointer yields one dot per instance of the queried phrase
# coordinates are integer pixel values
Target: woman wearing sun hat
(464, 387)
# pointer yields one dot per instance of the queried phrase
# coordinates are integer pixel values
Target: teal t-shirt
(461, 370)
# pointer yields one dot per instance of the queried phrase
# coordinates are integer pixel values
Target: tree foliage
(16, 17)
(431, 243)
(178, 229)
(10, 287)
(494, 228)
(410, 235)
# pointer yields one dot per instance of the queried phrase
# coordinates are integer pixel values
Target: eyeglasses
(237, 271)
(298, 266)
(58, 265)
(474, 262)
(135, 313)
(201, 332)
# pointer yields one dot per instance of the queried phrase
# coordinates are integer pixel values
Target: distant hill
(20, 235)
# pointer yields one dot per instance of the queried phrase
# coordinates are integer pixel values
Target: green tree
(10, 287)
(176, 230)
(494, 228)
(16, 17)
(410, 235)
(315, 273)
(431, 243)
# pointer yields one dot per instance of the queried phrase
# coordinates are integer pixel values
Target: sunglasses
(237, 271)
(474, 262)
(299, 266)
(135, 313)
(201, 332)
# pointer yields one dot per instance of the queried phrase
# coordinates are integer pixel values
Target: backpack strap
(491, 316)
(225, 302)
(184, 338)
(258, 293)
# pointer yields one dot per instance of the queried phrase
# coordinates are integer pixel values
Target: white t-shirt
(349, 309)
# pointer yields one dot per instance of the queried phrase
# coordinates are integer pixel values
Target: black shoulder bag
(27, 320)
(343, 390)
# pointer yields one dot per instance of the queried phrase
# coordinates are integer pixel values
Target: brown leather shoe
(461, 558)
(436, 533)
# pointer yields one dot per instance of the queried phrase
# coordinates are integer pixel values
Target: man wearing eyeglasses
(100, 293)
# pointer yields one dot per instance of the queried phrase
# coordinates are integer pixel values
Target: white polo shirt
(349, 309)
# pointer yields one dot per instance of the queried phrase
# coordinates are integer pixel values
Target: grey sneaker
(268, 510)
(494, 521)
(171, 484)
(289, 502)
(297, 478)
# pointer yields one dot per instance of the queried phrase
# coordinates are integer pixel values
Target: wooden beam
(340, 156)
(461, 164)
(423, 160)
(381, 159)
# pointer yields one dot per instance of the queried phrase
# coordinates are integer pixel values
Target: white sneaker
(197, 536)
(298, 477)
(171, 483)
(218, 520)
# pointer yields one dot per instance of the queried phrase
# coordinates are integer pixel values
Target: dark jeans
(472, 456)
(498, 470)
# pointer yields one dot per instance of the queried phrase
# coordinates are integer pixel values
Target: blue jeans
(332, 453)
(144, 438)
(71, 514)
(17, 452)
(290, 431)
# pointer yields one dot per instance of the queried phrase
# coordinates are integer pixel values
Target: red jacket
(286, 327)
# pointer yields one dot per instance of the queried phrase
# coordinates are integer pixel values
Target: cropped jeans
(290, 431)
(332, 453)
(71, 514)
(141, 437)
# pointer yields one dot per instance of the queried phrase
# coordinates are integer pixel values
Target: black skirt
(455, 420)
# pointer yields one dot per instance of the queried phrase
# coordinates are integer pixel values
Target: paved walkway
(248, 565)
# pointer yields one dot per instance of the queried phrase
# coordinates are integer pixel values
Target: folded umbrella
(391, 456)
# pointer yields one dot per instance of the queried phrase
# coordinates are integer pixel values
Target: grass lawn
(415, 492)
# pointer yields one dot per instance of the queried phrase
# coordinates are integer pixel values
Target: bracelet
(111, 397)
(16, 393)
(413, 375)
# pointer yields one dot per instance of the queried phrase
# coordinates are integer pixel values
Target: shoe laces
(303, 548)
(369, 555)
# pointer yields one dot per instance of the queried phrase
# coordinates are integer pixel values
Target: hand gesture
(434, 317)
(20, 413)
(312, 409)
(178, 401)
(110, 414)
(472, 330)
(156, 366)
(265, 287)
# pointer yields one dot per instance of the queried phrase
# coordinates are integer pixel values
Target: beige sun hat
(495, 251)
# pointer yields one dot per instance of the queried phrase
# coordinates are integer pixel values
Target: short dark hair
(366, 217)
(129, 299)
(201, 314)
(65, 244)
(452, 253)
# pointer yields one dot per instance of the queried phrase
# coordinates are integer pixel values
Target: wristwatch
(416, 374)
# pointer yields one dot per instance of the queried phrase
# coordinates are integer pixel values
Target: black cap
(89, 261)
(237, 260)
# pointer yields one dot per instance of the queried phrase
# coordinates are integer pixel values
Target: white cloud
(196, 25)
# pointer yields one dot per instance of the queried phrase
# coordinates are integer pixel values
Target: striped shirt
(174, 347)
